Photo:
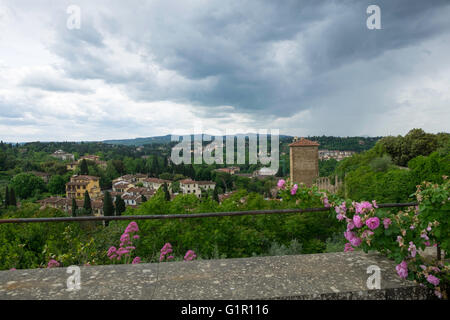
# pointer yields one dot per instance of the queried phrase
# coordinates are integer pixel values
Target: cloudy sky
(304, 67)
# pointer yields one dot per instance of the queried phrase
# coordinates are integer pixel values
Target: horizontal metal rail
(185, 216)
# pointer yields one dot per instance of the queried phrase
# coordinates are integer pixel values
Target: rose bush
(397, 234)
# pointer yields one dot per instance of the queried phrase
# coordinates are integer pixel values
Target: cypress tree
(12, 198)
(120, 205)
(108, 208)
(84, 167)
(215, 195)
(6, 197)
(87, 203)
(143, 198)
(74, 207)
(166, 192)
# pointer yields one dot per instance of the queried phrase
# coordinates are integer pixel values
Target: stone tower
(304, 161)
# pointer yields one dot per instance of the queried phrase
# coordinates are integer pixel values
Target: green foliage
(416, 143)
(276, 249)
(401, 233)
(336, 243)
(120, 205)
(84, 170)
(57, 185)
(373, 175)
(381, 164)
(166, 192)
(74, 207)
(6, 197)
(108, 208)
(327, 167)
(27, 185)
(395, 185)
(87, 204)
(12, 198)
(431, 168)
(435, 206)
(215, 194)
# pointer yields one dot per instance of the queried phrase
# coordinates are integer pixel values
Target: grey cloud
(229, 44)
(266, 59)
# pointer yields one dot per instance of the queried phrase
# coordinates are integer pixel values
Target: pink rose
(350, 225)
(349, 235)
(433, 280)
(294, 189)
(357, 221)
(136, 260)
(355, 241)
(281, 183)
(348, 247)
(402, 269)
(373, 223)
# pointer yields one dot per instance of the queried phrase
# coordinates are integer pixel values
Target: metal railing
(186, 216)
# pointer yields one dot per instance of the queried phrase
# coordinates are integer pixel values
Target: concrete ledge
(313, 276)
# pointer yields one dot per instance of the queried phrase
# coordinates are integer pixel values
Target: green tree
(120, 205)
(87, 203)
(12, 197)
(6, 197)
(84, 169)
(74, 207)
(108, 208)
(27, 185)
(56, 184)
(416, 143)
(166, 192)
(143, 198)
(327, 167)
(155, 171)
(215, 194)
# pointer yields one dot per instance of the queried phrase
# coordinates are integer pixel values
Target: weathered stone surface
(314, 276)
(304, 163)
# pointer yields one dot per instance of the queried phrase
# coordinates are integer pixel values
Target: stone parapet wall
(312, 276)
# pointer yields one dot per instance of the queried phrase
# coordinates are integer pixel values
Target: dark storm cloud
(233, 46)
(310, 66)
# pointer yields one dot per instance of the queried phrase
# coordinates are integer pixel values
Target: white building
(63, 155)
(156, 183)
(189, 186)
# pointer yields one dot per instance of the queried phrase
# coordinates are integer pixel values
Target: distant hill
(326, 142)
(140, 141)
(150, 140)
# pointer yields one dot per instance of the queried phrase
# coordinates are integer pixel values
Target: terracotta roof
(77, 183)
(205, 182)
(51, 200)
(156, 180)
(189, 181)
(302, 142)
(84, 177)
(120, 183)
(130, 197)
